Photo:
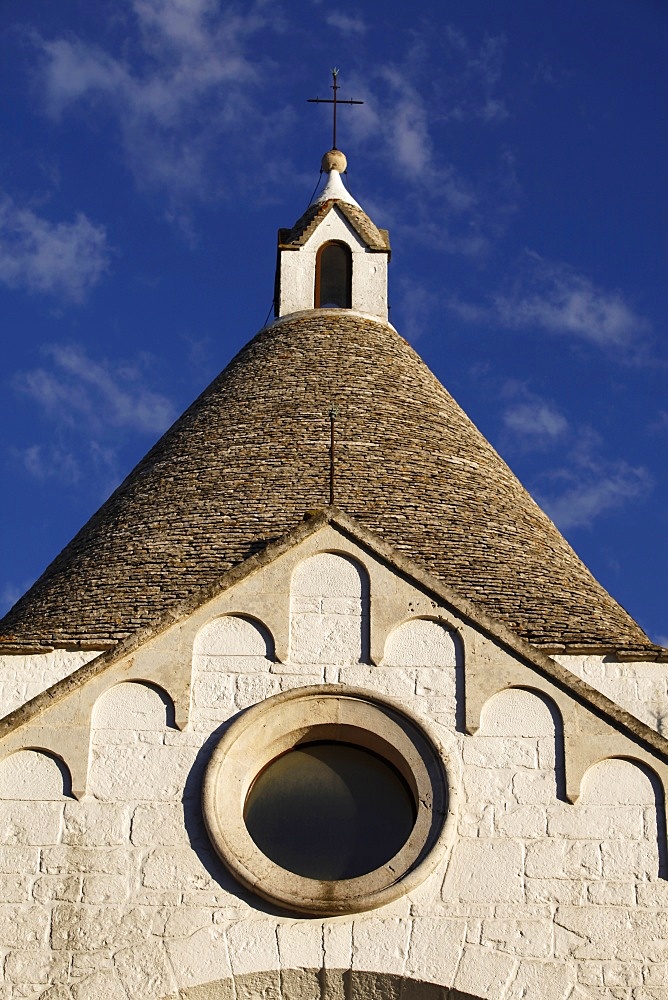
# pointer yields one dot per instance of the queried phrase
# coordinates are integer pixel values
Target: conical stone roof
(251, 456)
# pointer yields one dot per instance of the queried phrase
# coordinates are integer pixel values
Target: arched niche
(130, 758)
(333, 276)
(624, 799)
(234, 635)
(135, 706)
(433, 651)
(329, 610)
(34, 775)
(521, 733)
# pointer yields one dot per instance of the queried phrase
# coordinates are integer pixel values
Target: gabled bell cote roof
(250, 459)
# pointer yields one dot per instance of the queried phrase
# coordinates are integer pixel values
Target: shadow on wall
(321, 984)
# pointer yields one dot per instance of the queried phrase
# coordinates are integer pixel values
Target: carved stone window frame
(336, 713)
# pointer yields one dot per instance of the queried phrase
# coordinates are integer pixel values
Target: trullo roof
(251, 456)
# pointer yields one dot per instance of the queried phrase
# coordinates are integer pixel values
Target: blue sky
(516, 151)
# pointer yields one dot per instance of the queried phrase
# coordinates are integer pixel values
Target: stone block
(485, 871)
(539, 980)
(482, 972)
(435, 948)
(570, 891)
(253, 688)
(535, 787)
(380, 945)
(523, 938)
(200, 957)
(338, 945)
(500, 751)
(591, 822)
(525, 822)
(612, 893)
(184, 921)
(174, 868)
(92, 824)
(142, 772)
(23, 926)
(35, 966)
(554, 859)
(624, 860)
(300, 945)
(18, 860)
(54, 888)
(87, 928)
(300, 984)
(89, 860)
(252, 946)
(144, 971)
(34, 823)
(159, 824)
(102, 985)
(114, 889)
(15, 888)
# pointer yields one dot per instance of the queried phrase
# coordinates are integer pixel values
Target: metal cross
(334, 101)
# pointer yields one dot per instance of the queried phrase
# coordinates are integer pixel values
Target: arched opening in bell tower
(333, 276)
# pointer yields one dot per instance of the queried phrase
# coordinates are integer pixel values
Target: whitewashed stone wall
(641, 688)
(297, 270)
(22, 676)
(119, 895)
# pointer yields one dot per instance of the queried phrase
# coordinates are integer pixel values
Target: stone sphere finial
(334, 160)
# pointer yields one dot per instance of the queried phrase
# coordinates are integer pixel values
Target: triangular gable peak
(373, 649)
(334, 255)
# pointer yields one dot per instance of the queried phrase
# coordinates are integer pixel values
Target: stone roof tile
(375, 239)
(247, 460)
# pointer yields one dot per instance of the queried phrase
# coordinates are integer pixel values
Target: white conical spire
(334, 164)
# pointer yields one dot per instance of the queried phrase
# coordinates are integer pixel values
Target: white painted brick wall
(641, 688)
(23, 676)
(119, 895)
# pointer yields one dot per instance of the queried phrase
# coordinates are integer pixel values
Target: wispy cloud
(103, 393)
(535, 422)
(476, 74)
(190, 90)
(582, 482)
(556, 299)
(583, 497)
(346, 25)
(63, 259)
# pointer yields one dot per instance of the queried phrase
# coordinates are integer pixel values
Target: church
(320, 703)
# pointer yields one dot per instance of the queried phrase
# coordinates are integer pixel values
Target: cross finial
(333, 101)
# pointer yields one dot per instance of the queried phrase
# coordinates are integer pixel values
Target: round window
(326, 800)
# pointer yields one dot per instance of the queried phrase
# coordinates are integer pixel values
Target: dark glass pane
(335, 276)
(329, 811)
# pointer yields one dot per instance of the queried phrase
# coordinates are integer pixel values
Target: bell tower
(334, 256)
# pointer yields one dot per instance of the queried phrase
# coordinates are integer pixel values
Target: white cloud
(199, 68)
(585, 497)
(535, 421)
(346, 25)
(555, 298)
(64, 259)
(50, 463)
(103, 394)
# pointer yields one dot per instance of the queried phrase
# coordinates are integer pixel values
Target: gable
(522, 886)
(394, 593)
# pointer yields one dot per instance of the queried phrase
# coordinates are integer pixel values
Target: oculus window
(327, 800)
(330, 811)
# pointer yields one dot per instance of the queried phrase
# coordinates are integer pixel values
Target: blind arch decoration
(333, 276)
